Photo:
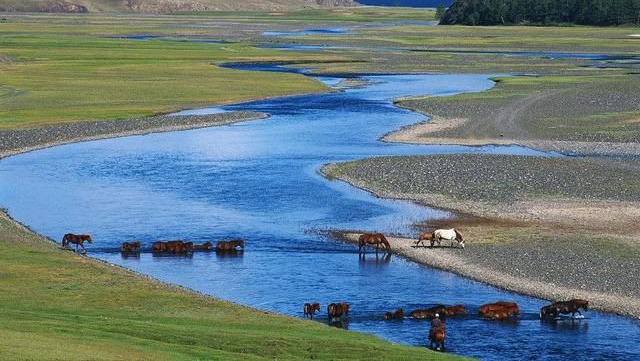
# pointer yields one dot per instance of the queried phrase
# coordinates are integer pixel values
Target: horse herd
(437, 236)
(173, 247)
(491, 311)
(337, 311)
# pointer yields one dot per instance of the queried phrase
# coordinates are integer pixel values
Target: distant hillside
(543, 12)
(162, 6)
(408, 3)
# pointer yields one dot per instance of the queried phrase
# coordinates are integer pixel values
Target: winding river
(258, 180)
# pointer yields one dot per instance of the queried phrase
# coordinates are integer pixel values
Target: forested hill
(543, 12)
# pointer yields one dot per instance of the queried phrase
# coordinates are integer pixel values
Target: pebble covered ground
(17, 141)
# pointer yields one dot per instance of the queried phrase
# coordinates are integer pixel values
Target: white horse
(448, 235)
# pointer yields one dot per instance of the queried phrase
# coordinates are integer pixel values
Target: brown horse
(436, 339)
(227, 246)
(176, 247)
(429, 312)
(130, 247)
(424, 237)
(206, 246)
(376, 239)
(455, 310)
(498, 310)
(77, 239)
(398, 314)
(311, 308)
(335, 311)
(564, 307)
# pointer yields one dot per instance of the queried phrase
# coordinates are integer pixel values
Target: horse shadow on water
(374, 259)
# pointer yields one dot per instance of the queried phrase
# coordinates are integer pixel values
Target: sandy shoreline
(450, 260)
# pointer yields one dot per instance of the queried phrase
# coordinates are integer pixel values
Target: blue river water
(258, 180)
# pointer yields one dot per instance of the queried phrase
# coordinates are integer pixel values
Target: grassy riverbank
(58, 73)
(57, 305)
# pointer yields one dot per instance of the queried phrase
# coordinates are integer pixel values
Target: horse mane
(458, 236)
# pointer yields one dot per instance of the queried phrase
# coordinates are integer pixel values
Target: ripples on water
(258, 180)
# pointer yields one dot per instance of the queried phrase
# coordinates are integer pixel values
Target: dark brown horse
(130, 247)
(227, 246)
(335, 311)
(398, 314)
(429, 312)
(376, 239)
(206, 246)
(498, 310)
(436, 339)
(175, 247)
(77, 239)
(424, 237)
(564, 307)
(311, 308)
(455, 310)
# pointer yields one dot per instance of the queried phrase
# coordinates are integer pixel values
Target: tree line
(542, 12)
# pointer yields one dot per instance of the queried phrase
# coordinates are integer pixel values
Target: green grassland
(574, 108)
(57, 305)
(50, 76)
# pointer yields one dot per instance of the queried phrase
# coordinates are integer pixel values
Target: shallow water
(258, 180)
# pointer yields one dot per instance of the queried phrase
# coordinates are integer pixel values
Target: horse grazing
(206, 246)
(335, 311)
(376, 239)
(429, 312)
(424, 237)
(132, 247)
(564, 307)
(498, 310)
(450, 235)
(455, 310)
(310, 308)
(227, 246)
(398, 314)
(436, 339)
(77, 239)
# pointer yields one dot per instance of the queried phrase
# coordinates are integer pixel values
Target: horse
(226, 246)
(77, 239)
(498, 310)
(202, 247)
(176, 247)
(564, 307)
(429, 312)
(310, 308)
(422, 237)
(436, 339)
(132, 247)
(454, 310)
(376, 239)
(335, 311)
(398, 314)
(448, 235)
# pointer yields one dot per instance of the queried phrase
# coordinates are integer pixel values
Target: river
(258, 180)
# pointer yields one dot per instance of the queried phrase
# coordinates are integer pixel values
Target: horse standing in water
(311, 308)
(376, 239)
(335, 311)
(228, 246)
(77, 239)
(564, 307)
(130, 247)
(447, 235)
(436, 339)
